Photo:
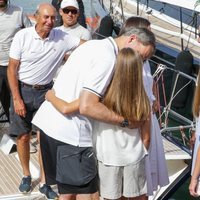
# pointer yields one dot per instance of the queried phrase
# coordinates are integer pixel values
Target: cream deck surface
(173, 152)
(11, 173)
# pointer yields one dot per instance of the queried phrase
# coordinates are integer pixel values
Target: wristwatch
(124, 123)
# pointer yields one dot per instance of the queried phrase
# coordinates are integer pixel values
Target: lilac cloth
(156, 168)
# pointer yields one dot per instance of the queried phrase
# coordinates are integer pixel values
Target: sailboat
(175, 23)
(174, 35)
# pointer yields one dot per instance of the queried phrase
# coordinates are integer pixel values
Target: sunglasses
(67, 11)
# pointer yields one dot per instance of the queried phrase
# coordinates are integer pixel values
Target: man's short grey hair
(144, 35)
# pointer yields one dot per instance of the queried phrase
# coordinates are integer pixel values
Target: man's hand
(19, 107)
(49, 94)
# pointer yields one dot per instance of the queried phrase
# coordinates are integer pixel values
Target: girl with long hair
(121, 151)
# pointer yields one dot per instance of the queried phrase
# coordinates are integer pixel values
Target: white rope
(160, 69)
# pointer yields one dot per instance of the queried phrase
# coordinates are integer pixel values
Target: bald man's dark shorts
(33, 98)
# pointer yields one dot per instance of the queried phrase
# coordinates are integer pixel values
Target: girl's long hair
(126, 95)
(196, 102)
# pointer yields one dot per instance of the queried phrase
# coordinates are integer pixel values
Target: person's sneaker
(25, 185)
(48, 192)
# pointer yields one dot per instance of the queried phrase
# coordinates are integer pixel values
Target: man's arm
(91, 106)
(14, 87)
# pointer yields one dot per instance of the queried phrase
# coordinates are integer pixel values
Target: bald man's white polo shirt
(39, 58)
(90, 67)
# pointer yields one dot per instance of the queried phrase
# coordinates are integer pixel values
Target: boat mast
(181, 21)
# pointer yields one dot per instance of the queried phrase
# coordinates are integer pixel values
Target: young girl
(121, 151)
(193, 187)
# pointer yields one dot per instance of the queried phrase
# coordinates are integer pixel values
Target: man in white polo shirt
(85, 76)
(35, 55)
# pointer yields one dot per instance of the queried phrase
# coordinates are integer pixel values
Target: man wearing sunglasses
(81, 18)
(69, 11)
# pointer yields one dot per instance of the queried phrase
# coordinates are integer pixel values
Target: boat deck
(172, 152)
(11, 173)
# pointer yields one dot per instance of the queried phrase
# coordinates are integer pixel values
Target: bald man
(35, 55)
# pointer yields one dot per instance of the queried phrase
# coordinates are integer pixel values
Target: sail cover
(189, 4)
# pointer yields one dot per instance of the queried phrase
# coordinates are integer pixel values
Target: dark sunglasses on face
(67, 11)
